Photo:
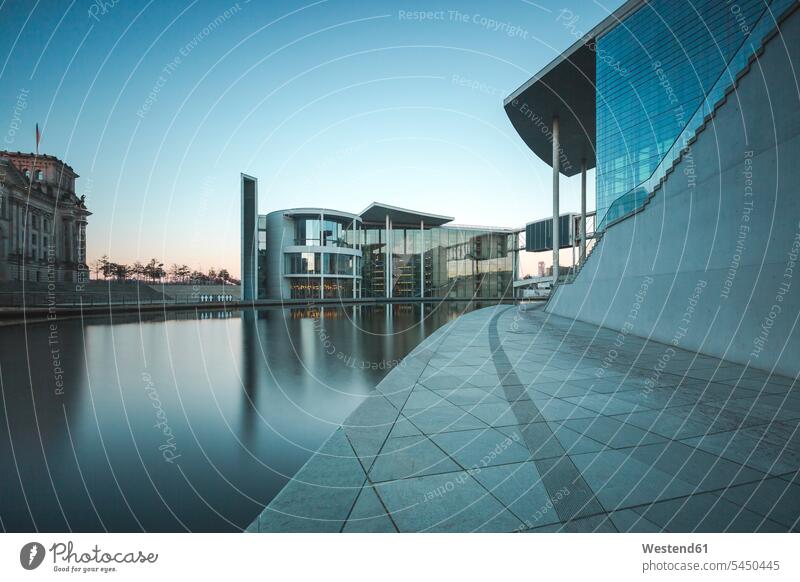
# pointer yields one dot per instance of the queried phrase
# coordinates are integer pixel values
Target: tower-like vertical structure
(249, 238)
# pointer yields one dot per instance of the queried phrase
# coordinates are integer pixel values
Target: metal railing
(33, 299)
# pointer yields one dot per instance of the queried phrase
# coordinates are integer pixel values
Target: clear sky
(336, 103)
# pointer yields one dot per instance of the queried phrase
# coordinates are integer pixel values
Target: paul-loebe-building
(384, 252)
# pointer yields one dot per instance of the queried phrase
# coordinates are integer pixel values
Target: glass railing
(636, 197)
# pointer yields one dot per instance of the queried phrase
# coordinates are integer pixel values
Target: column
(355, 259)
(514, 260)
(322, 256)
(582, 253)
(13, 236)
(556, 236)
(422, 258)
(29, 232)
(387, 263)
(73, 240)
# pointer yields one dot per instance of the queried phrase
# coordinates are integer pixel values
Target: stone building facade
(42, 220)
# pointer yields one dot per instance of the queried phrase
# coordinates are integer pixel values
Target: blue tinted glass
(653, 72)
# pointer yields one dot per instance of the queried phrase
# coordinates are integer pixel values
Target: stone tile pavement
(510, 420)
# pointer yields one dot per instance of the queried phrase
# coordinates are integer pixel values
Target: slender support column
(556, 160)
(573, 247)
(391, 259)
(387, 262)
(514, 265)
(583, 211)
(322, 256)
(422, 258)
(516, 256)
(355, 258)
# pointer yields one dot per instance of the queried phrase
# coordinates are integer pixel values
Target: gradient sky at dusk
(332, 103)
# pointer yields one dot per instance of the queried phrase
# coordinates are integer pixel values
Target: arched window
(27, 173)
(39, 175)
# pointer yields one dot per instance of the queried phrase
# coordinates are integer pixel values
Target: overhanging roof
(377, 212)
(316, 211)
(565, 89)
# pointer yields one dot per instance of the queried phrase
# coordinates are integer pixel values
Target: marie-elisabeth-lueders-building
(385, 252)
(689, 114)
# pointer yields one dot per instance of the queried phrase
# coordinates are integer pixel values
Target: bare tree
(174, 272)
(137, 270)
(100, 266)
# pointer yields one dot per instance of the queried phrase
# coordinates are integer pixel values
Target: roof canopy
(377, 212)
(329, 212)
(565, 89)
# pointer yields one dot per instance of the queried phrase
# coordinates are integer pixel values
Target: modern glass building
(630, 95)
(384, 252)
(678, 105)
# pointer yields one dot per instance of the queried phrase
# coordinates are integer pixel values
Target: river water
(184, 421)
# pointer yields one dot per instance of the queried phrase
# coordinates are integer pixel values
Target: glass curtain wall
(333, 231)
(307, 231)
(652, 74)
(330, 275)
(261, 258)
(458, 263)
(373, 248)
(406, 261)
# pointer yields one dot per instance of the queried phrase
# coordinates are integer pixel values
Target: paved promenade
(507, 420)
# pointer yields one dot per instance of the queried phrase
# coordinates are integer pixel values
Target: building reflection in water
(243, 398)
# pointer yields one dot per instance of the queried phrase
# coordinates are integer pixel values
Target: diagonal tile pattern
(517, 420)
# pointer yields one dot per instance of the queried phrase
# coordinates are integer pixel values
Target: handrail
(31, 299)
(633, 200)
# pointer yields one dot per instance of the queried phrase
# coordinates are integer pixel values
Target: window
(334, 233)
(304, 288)
(338, 264)
(39, 175)
(27, 173)
(338, 288)
(302, 264)
(307, 232)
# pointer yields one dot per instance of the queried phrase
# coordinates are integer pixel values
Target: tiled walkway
(509, 420)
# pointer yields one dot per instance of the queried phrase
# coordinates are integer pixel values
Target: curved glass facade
(666, 57)
(316, 230)
(312, 256)
(302, 264)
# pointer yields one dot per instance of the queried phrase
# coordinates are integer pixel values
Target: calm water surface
(184, 423)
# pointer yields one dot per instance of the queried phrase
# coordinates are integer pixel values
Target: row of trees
(154, 272)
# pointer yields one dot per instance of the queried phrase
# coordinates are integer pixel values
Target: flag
(38, 138)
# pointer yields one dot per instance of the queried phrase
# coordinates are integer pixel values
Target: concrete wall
(280, 233)
(709, 264)
(249, 247)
